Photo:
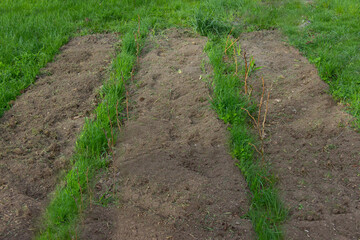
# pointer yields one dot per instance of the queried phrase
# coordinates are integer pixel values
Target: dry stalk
(137, 41)
(111, 126)
(247, 72)
(137, 37)
(232, 43)
(108, 142)
(265, 114)
(259, 122)
(227, 39)
(261, 100)
(81, 192)
(236, 63)
(117, 115)
(127, 96)
(88, 187)
(127, 105)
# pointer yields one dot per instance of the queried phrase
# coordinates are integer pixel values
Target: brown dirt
(175, 177)
(37, 135)
(312, 149)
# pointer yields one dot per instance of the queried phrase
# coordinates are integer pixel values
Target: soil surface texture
(175, 177)
(310, 144)
(37, 135)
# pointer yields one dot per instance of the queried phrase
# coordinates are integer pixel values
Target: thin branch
(261, 99)
(111, 126)
(236, 63)
(246, 72)
(227, 40)
(256, 148)
(117, 115)
(232, 43)
(255, 122)
(265, 114)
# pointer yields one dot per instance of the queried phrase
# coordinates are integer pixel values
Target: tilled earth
(171, 171)
(175, 177)
(37, 135)
(310, 145)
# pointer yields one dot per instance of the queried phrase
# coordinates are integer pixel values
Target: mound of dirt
(38, 134)
(312, 149)
(175, 177)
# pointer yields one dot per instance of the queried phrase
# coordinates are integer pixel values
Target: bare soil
(37, 135)
(312, 150)
(173, 174)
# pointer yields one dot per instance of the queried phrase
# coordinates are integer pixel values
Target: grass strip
(92, 147)
(266, 212)
(229, 100)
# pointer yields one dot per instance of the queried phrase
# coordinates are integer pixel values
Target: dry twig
(259, 123)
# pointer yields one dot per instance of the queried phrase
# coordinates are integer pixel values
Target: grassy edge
(92, 147)
(266, 212)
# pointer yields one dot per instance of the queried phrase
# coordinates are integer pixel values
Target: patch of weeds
(209, 25)
(329, 147)
(105, 199)
(328, 176)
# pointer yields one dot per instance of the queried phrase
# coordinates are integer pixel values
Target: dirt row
(37, 135)
(310, 144)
